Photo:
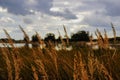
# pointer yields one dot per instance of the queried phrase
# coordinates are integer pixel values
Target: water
(15, 44)
(58, 47)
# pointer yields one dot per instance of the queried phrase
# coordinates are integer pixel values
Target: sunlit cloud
(2, 10)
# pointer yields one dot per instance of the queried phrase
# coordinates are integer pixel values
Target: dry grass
(79, 68)
(114, 32)
(47, 63)
(51, 64)
(8, 63)
(66, 35)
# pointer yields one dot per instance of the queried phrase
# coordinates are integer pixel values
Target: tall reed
(5, 53)
(114, 32)
(80, 72)
(15, 56)
(26, 37)
(35, 75)
(66, 35)
(106, 40)
(61, 39)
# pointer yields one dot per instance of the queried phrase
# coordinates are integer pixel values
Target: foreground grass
(49, 64)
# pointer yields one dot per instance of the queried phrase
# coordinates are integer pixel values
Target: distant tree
(50, 37)
(35, 41)
(6, 40)
(34, 38)
(26, 39)
(80, 36)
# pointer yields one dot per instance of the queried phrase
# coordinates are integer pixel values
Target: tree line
(78, 36)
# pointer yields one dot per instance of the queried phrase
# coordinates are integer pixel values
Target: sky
(46, 16)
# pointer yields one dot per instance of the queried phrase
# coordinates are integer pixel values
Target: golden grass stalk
(106, 40)
(39, 38)
(63, 43)
(103, 70)
(114, 32)
(9, 38)
(54, 57)
(15, 56)
(25, 34)
(114, 53)
(80, 72)
(5, 53)
(66, 35)
(35, 75)
(100, 35)
(96, 34)
(106, 73)
(18, 66)
(100, 42)
(40, 66)
(41, 69)
(91, 40)
(76, 70)
(91, 65)
(60, 35)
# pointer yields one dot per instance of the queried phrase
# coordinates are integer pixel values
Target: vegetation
(80, 36)
(47, 63)
(50, 37)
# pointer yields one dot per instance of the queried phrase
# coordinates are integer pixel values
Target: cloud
(95, 20)
(30, 28)
(2, 10)
(23, 7)
(14, 6)
(76, 28)
(108, 7)
(6, 20)
(112, 7)
(27, 21)
(48, 15)
(67, 14)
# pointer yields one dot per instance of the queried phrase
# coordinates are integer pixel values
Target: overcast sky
(46, 16)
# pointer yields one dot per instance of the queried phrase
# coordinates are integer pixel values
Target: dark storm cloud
(44, 5)
(112, 7)
(14, 6)
(21, 7)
